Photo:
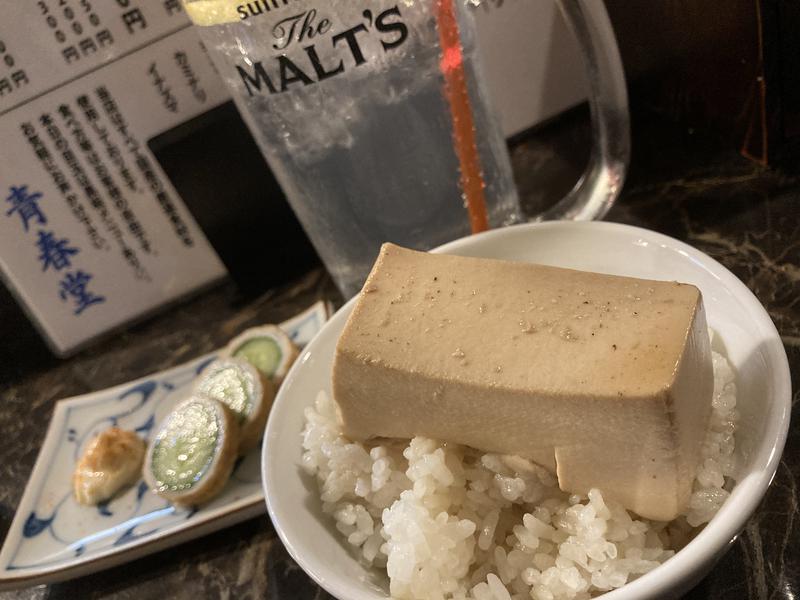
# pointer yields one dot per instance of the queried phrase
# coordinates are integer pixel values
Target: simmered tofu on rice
(448, 522)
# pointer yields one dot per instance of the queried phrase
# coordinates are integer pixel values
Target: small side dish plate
(53, 538)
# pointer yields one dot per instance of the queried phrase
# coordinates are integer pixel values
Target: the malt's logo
(313, 66)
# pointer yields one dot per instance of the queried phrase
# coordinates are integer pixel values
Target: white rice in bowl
(448, 522)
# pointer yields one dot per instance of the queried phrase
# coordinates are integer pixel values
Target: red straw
(455, 88)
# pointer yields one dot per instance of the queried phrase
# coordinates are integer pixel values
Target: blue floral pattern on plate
(53, 537)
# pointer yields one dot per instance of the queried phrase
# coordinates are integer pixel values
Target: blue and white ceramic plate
(53, 538)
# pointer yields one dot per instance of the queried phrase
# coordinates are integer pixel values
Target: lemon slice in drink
(211, 12)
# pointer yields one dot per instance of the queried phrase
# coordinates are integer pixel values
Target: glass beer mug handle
(598, 187)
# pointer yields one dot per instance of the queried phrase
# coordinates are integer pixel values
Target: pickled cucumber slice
(263, 352)
(191, 457)
(245, 390)
(267, 348)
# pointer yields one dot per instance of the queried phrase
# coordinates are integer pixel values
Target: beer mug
(375, 119)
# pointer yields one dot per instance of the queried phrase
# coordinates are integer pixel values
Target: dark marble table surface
(682, 183)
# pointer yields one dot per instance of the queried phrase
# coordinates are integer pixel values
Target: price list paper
(92, 232)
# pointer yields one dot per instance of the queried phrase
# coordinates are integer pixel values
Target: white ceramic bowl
(745, 330)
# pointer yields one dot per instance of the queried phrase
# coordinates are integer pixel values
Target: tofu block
(605, 380)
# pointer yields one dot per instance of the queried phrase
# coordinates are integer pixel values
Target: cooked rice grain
(448, 522)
